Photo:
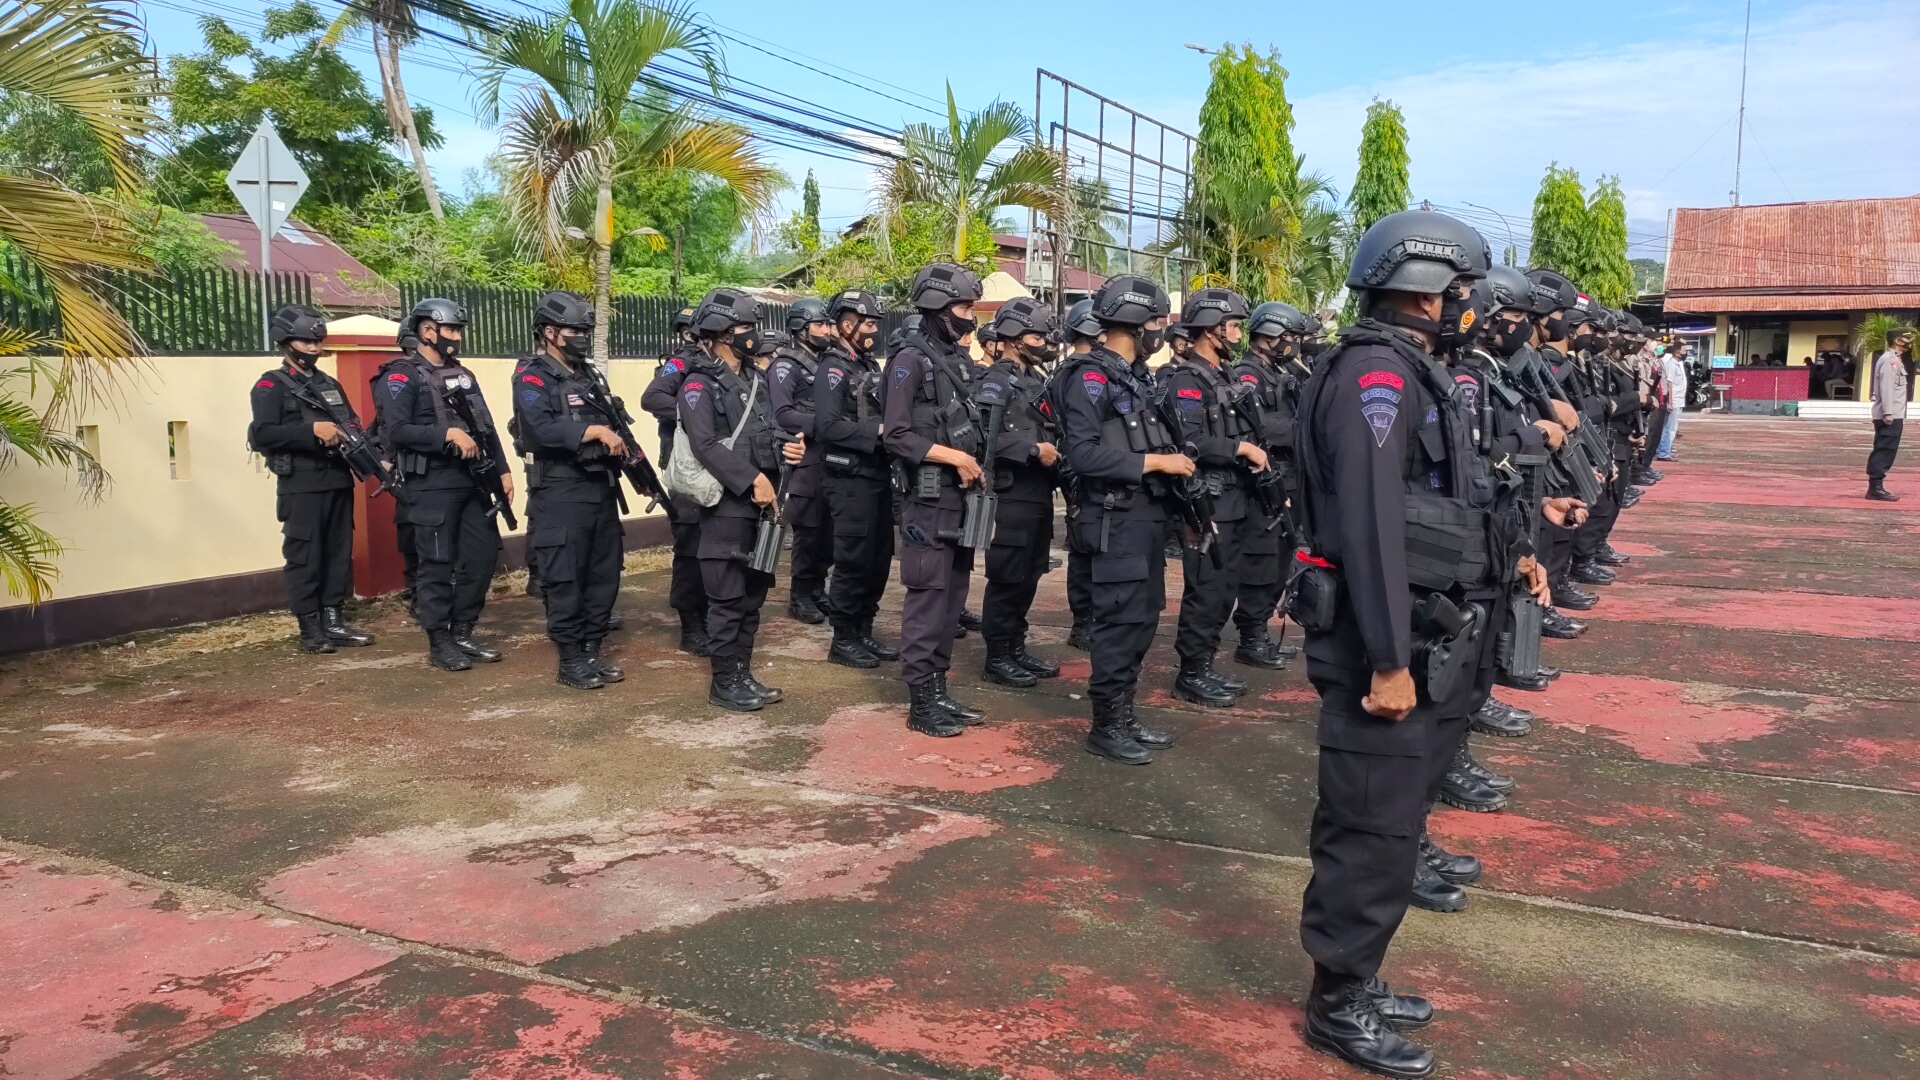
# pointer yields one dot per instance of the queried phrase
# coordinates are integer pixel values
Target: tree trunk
(960, 234)
(603, 267)
(406, 129)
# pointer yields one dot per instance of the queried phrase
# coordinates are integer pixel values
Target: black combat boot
(1566, 595)
(1112, 737)
(846, 649)
(1552, 673)
(1260, 651)
(1468, 791)
(1464, 761)
(802, 605)
(1193, 685)
(925, 715)
(1402, 1012)
(1343, 1020)
(729, 688)
(1499, 718)
(1610, 557)
(1077, 637)
(1041, 667)
(313, 635)
(969, 621)
(880, 650)
(576, 668)
(615, 621)
(444, 654)
(1554, 624)
(693, 633)
(606, 671)
(338, 632)
(1003, 669)
(768, 694)
(1590, 572)
(1433, 892)
(1151, 738)
(1631, 498)
(1453, 869)
(1533, 682)
(463, 640)
(962, 712)
(1232, 684)
(1877, 491)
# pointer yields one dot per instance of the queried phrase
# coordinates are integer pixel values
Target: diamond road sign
(267, 180)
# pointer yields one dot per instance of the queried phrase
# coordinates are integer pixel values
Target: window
(89, 436)
(179, 454)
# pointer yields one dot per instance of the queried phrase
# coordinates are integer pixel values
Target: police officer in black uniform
(1272, 371)
(402, 528)
(936, 441)
(1079, 332)
(724, 397)
(1558, 307)
(795, 367)
(1400, 541)
(686, 595)
(1199, 391)
(573, 516)
(1126, 456)
(1025, 446)
(454, 531)
(859, 492)
(314, 487)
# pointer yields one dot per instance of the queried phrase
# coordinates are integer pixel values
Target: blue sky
(1493, 92)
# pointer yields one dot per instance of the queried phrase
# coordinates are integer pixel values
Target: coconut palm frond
(85, 58)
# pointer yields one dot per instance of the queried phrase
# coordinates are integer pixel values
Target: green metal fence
(185, 313)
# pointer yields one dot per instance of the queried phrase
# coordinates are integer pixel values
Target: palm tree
(564, 143)
(394, 25)
(83, 58)
(1273, 240)
(949, 168)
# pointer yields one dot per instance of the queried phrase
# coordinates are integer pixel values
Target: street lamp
(1512, 244)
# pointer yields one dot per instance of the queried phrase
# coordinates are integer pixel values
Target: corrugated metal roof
(340, 281)
(1839, 252)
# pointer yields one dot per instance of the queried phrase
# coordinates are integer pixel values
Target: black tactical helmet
(771, 342)
(908, 325)
(1022, 315)
(723, 309)
(1130, 301)
(985, 334)
(298, 322)
(1273, 319)
(1509, 289)
(1079, 323)
(854, 302)
(1210, 307)
(1178, 332)
(1416, 251)
(1552, 292)
(436, 310)
(682, 320)
(805, 311)
(562, 308)
(943, 284)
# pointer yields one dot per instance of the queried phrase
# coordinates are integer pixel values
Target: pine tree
(1609, 277)
(1561, 232)
(810, 213)
(1382, 186)
(1245, 122)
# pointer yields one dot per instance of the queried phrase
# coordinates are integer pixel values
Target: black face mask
(1043, 354)
(303, 361)
(956, 326)
(578, 347)
(1459, 321)
(448, 351)
(744, 343)
(1150, 341)
(818, 339)
(1588, 343)
(1507, 338)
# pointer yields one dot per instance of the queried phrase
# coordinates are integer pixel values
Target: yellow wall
(152, 529)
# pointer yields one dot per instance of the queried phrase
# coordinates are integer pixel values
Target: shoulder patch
(531, 397)
(1190, 392)
(1095, 383)
(1249, 377)
(533, 379)
(900, 373)
(835, 376)
(1093, 376)
(265, 384)
(1380, 416)
(691, 390)
(1382, 378)
(673, 363)
(783, 370)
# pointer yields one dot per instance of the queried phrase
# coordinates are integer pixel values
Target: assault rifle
(983, 503)
(770, 537)
(1195, 503)
(1573, 460)
(354, 448)
(484, 467)
(635, 466)
(1269, 485)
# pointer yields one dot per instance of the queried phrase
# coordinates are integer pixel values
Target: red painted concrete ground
(220, 858)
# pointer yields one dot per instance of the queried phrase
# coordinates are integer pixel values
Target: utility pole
(1740, 131)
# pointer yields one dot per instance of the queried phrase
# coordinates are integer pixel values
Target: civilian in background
(1673, 384)
(1889, 412)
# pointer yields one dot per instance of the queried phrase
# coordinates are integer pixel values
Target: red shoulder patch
(264, 384)
(1249, 377)
(1093, 376)
(693, 384)
(397, 376)
(534, 379)
(1190, 392)
(1465, 378)
(1382, 378)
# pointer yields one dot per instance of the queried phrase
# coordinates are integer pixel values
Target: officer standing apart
(1272, 372)
(313, 486)
(1025, 452)
(932, 433)
(847, 423)
(1125, 459)
(726, 423)
(1200, 394)
(573, 518)
(662, 399)
(458, 541)
(1889, 412)
(1386, 457)
(796, 365)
